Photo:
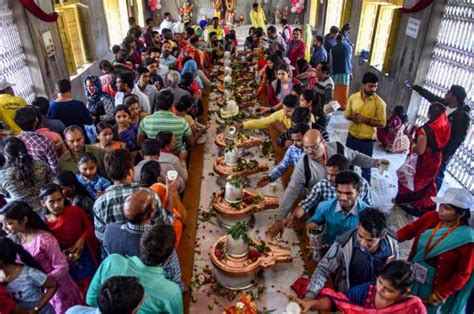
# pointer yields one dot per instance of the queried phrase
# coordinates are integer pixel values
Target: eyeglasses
(312, 148)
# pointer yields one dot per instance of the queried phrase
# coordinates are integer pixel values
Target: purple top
(129, 137)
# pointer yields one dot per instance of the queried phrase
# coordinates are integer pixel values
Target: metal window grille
(12, 59)
(453, 63)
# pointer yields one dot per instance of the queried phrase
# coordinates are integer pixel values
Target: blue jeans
(362, 146)
(440, 177)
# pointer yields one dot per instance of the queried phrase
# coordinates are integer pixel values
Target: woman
(268, 73)
(188, 84)
(281, 87)
(150, 177)
(296, 47)
(307, 100)
(306, 74)
(391, 137)
(427, 146)
(22, 176)
(443, 251)
(133, 105)
(167, 144)
(390, 294)
(100, 104)
(27, 229)
(190, 66)
(25, 282)
(74, 192)
(74, 232)
(127, 132)
(105, 136)
(107, 77)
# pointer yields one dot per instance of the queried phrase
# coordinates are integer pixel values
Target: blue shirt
(341, 56)
(319, 55)
(337, 222)
(70, 113)
(291, 158)
(96, 184)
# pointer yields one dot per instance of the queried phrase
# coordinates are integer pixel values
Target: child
(25, 282)
(74, 232)
(88, 177)
(182, 109)
(127, 132)
(105, 136)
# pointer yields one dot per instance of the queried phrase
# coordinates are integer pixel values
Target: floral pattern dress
(45, 249)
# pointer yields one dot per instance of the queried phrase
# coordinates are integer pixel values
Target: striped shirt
(165, 121)
(324, 91)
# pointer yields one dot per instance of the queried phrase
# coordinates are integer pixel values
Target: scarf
(191, 67)
(94, 100)
(441, 130)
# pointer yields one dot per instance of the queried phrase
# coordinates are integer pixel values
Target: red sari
(427, 165)
(296, 50)
(72, 225)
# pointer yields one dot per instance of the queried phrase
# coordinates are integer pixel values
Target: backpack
(307, 170)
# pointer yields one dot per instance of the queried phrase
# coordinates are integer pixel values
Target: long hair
(9, 251)
(149, 173)
(69, 179)
(283, 67)
(271, 73)
(17, 156)
(19, 210)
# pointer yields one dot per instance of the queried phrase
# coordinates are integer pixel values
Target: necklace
(430, 247)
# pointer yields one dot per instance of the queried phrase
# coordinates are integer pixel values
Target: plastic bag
(406, 173)
(91, 133)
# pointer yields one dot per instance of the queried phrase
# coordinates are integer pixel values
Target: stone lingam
(233, 204)
(237, 258)
(230, 110)
(241, 140)
(231, 163)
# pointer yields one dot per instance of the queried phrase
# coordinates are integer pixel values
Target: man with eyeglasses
(311, 169)
(357, 256)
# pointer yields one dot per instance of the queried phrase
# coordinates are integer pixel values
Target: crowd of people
(91, 206)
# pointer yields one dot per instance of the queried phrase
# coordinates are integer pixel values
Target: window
(377, 32)
(117, 20)
(333, 14)
(70, 32)
(313, 13)
(453, 63)
(12, 58)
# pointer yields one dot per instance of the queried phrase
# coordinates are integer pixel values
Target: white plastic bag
(406, 173)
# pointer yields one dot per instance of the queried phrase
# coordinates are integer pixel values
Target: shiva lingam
(231, 163)
(237, 258)
(241, 140)
(235, 204)
(230, 110)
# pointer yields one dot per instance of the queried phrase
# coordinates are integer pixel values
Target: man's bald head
(313, 144)
(312, 137)
(138, 207)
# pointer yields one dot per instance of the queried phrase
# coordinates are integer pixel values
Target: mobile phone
(408, 84)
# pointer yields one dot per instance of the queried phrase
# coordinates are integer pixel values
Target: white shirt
(166, 24)
(163, 71)
(142, 98)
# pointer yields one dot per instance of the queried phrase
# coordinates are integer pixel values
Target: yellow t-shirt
(264, 123)
(190, 121)
(373, 108)
(258, 18)
(219, 32)
(8, 106)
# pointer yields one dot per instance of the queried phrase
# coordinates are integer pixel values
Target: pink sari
(45, 249)
(411, 305)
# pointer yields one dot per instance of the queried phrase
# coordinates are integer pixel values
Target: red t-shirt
(6, 303)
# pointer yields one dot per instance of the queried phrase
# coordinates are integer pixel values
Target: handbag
(406, 173)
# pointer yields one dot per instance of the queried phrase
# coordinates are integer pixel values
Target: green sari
(460, 236)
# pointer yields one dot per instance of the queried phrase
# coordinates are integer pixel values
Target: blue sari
(460, 236)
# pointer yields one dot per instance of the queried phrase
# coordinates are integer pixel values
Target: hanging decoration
(38, 12)
(154, 5)
(297, 6)
(419, 6)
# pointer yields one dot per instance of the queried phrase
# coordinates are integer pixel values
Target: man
(342, 213)
(168, 36)
(325, 189)
(143, 86)
(167, 59)
(257, 16)
(108, 207)
(161, 295)
(280, 120)
(458, 115)
(330, 39)
(156, 40)
(118, 294)
(153, 66)
(67, 109)
(42, 105)
(357, 256)
(165, 120)
(167, 22)
(324, 88)
(76, 143)
(319, 52)
(39, 147)
(215, 47)
(296, 48)
(133, 26)
(172, 80)
(215, 27)
(161, 70)
(148, 32)
(9, 104)
(292, 156)
(311, 169)
(139, 210)
(150, 150)
(287, 32)
(341, 65)
(366, 111)
(276, 40)
(124, 83)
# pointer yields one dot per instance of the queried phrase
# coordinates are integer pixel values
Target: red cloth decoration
(152, 4)
(421, 5)
(38, 12)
